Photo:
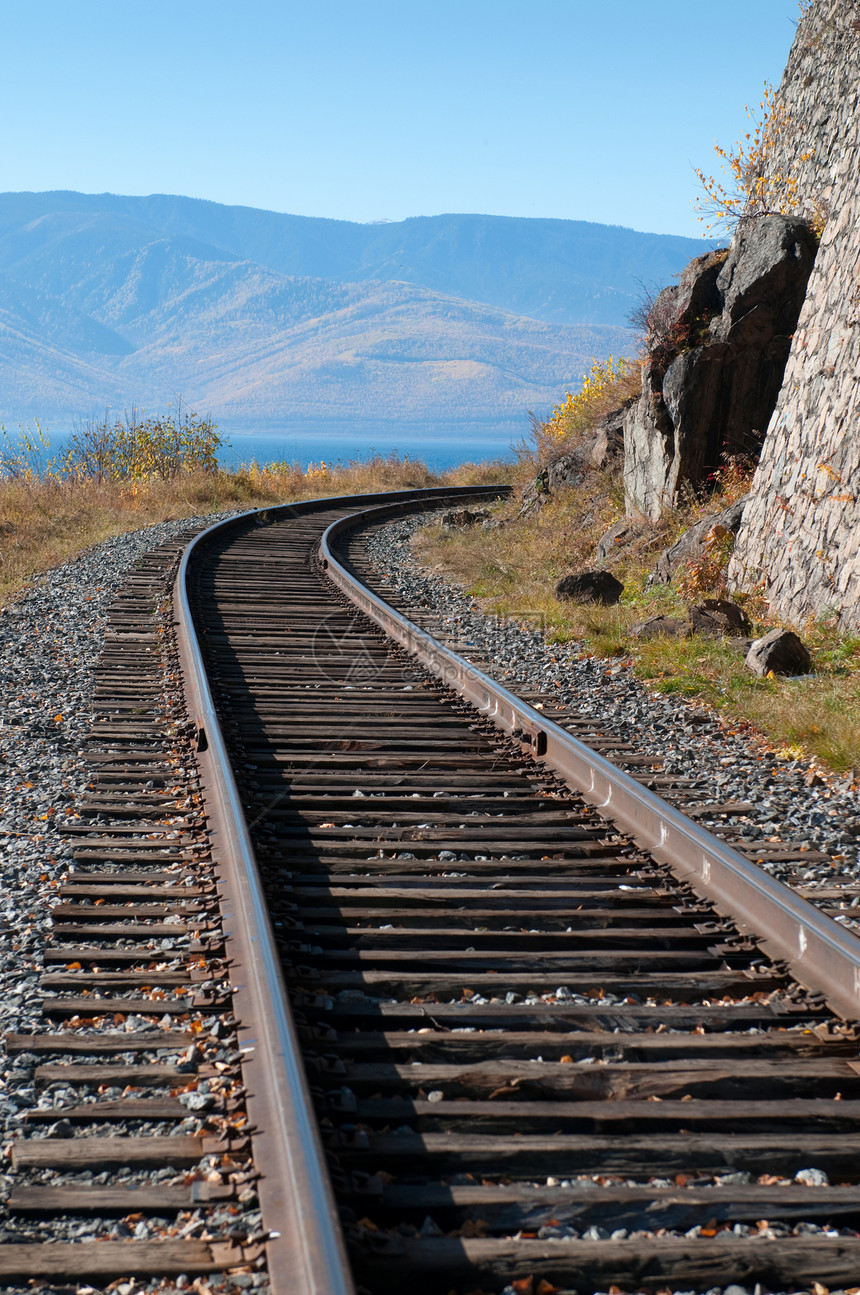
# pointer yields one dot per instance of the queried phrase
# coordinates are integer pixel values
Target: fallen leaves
(526, 1286)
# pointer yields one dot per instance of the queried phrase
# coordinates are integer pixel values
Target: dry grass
(815, 715)
(513, 572)
(514, 569)
(47, 520)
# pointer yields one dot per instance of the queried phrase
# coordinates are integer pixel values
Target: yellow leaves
(757, 189)
(577, 409)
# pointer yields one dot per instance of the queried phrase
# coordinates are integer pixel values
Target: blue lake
(304, 447)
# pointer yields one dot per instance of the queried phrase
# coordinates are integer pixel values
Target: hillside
(252, 346)
(260, 318)
(561, 271)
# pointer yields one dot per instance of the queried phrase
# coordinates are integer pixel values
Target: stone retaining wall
(800, 536)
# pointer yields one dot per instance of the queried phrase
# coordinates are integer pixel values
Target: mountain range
(263, 319)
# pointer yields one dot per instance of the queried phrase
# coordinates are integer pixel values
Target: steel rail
(305, 1249)
(823, 957)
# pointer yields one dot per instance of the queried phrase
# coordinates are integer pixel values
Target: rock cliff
(716, 351)
(800, 536)
(759, 354)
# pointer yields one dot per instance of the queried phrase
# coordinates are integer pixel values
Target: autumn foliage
(754, 184)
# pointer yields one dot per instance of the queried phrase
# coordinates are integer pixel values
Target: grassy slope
(514, 570)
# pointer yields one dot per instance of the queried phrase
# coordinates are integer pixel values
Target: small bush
(706, 575)
(608, 385)
(597, 396)
(25, 456)
(134, 448)
(756, 186)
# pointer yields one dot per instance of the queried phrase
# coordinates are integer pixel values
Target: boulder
(458, 517)
(692, 544)
(780, 652)
(718, 616)
(661, 627)
(716, 347)
(590, 587)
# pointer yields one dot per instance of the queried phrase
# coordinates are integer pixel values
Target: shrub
(606, 386)
(757, 186)
(579, 409)
(134, 448)
(24, 458)
(706, 574)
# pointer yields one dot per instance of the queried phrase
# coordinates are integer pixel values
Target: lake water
(437, 450)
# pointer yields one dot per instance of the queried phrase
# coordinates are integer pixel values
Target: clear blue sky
(380, 109)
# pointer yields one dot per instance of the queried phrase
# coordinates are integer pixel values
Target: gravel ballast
(50, 642)
(51, 639)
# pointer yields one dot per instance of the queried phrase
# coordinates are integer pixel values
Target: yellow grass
(47, 520)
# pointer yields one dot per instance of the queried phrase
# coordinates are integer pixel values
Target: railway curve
(555, 1036)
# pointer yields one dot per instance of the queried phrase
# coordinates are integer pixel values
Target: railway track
(538, 1050)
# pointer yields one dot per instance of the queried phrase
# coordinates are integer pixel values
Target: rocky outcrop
(567, 470)
(607, 446)
(620, 537)
(456, 518)
(602, 451)
(694, 541)
(717, 345)
(799, 542)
